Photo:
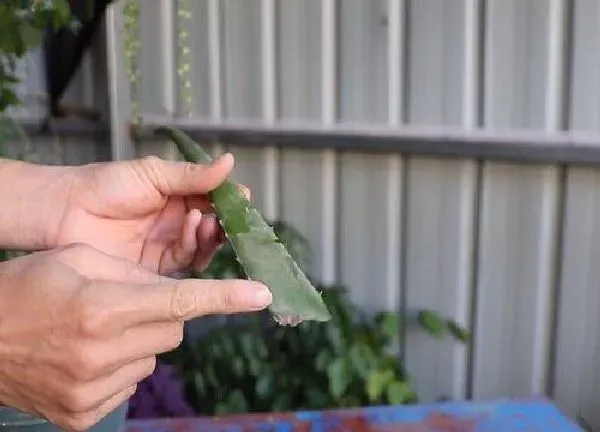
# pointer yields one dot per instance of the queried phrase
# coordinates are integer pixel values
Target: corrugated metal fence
(508, 249)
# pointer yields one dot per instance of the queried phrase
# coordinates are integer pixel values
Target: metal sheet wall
(506, 249)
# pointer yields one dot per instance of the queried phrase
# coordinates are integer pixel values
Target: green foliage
(22, 26)
(251, 365)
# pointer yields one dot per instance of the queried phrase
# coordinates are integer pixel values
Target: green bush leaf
(200, 384)
(363, 359)
(388, 325)
(339, 375)
(377, 382)
(30, 35)
(460, 333)
(238, 366)
(322, 360)
(282, 403)
(265, 385)
(433, 323)
(399, 392)
(8, 97)
(235, 402)
(316, 398)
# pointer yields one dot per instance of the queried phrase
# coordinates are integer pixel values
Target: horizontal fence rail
(568, 147)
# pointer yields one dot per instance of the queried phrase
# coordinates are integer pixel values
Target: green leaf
(238, 366)
(389, 325)
(263, 257)
(30, 35)
(335, 338)
(200, 383)
(460, 333)
(8, 98)
(211, 376)
(377, 382)
(62, 13)
(235, 402)
(265, 385)
(433, 323)
(363, 359)
(282, 403)
(339, 375)
(316, 398)
(399, 392)
(295, 243)
(322, 360)
(9, 78)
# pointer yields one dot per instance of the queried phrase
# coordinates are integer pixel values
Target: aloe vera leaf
(259, 251)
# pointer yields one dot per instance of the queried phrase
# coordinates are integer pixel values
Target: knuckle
(183, 302)
(175, 337)
(148, 367)
(153, 168)
(183, 256)
(78, 423)
(76, 248)
(92, 322)
(151, 161)
(75, 400)
(83, 364)
(131, 391)
(228, 300)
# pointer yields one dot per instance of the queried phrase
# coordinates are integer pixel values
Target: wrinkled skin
(80, 328)
(151, 211)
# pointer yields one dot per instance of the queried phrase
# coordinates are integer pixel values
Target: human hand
(79, 328)
(149, 210)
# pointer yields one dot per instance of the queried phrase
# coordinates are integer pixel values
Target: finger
(185, 178)
(181, 254)
(85, 420)
(93, 394)
(185, 299)
(199, 202)
(133, 343)
(210, 236)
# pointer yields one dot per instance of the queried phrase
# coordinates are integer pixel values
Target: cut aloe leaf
(259, 251)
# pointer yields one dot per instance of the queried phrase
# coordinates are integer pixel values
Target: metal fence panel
(516, 59)
(515, 279)
(577, 374)
(585, 76)
(369, 214)
(441, 212)
(436, 62)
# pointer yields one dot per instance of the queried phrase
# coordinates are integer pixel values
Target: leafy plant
(23, 23)
(251, 364)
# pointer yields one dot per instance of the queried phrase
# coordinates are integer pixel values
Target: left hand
(152, 211)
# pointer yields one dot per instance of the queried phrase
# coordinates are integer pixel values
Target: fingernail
(261, 296)
(223, 157)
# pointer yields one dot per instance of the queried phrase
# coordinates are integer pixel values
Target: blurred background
(438, 157)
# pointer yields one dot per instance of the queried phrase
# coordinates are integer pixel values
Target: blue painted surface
(503, 415)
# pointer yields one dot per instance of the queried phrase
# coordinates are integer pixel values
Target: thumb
(186, 178)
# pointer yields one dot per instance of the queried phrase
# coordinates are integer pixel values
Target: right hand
(79, 329)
